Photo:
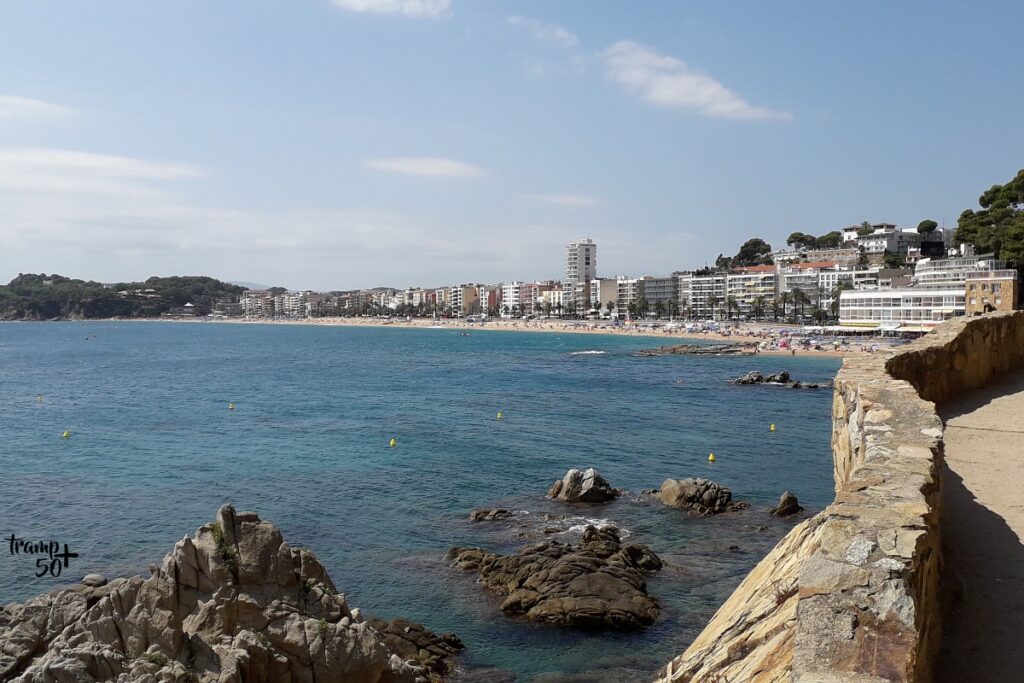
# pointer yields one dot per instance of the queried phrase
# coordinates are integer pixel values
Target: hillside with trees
(999, 225)
(55, 297)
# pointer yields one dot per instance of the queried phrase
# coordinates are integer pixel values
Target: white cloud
(667, 81)
(579, 200)
(433, 167)
(545, 32)
(408, 8)
(14, 107)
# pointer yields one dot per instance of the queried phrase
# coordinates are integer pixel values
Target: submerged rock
(597, 584)
(698, 350)
(233, 603)
(582, 486)
(788, 505)
(489, 514)
(701, 496)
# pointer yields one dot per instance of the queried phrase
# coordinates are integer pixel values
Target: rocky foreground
(232, 604)
(596, 584)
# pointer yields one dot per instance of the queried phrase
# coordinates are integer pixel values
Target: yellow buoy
(499, 416)
(39, 398)
(772, 428)
(66, 434)
(393, 442)
(231, 406)
(711, 458)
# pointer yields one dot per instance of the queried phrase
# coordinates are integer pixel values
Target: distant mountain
(249, 285)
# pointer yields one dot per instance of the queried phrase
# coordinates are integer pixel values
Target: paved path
(983, 536)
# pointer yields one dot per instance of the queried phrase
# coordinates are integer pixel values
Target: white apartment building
(629, 290)
(512, 299)
(937, 294)
(580, 269)
(752, 287)
(907, 309)
(889, 238)
(706, 298)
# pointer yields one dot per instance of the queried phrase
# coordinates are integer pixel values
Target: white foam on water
(591, 352)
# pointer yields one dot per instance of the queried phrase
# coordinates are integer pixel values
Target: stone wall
(851, 595)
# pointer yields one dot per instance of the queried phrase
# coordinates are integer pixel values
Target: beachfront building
(580, 269)
(751, 291)
(629, 292)
(511, 299)
(938, 292)
(909, 309)
(706, 295)
(257, 303)
(992, 290)
(464, 300)
(662, 294)
(605, 291)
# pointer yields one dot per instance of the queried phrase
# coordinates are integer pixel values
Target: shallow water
(154, 451)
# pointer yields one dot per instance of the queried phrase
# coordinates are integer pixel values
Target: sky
(336, 144)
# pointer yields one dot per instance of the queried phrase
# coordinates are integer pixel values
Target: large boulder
(701, 496)
(582, 486)
(788, 505)
(597, 584)
(233, 603)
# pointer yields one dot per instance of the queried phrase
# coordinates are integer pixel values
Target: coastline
(747, 333)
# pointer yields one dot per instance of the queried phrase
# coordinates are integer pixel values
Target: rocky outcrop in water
(788, 505)
(489, 514)
(701, 496)
(780, 378)
(233, 603)
(697, 350)
(597, 584)
(582, 486)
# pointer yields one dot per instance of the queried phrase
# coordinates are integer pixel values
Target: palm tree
(609, 305)
(784, 299)
(659, 309)
(712, 302)
(731, 306)
(800, 299)
(757, 307)
(684, 306)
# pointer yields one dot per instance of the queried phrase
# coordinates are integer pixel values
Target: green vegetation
(753, 252)
(224, 549)
(830, 240)
(999, 225)
(55, 297)
(926, 226)
(155, 658)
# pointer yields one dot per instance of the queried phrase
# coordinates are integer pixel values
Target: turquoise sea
(154, 451)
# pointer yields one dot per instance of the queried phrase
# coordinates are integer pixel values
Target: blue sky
(334, 144)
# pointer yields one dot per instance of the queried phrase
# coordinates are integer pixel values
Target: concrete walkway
(983, 536)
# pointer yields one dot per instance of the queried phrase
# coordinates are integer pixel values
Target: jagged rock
(781, 378)
(701, 496)
(582, 486)
(413, 642)
(597, 584)
(788, 505)
(489, 514)
(233, 603)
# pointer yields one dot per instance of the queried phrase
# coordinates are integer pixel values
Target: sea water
(153, 450)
